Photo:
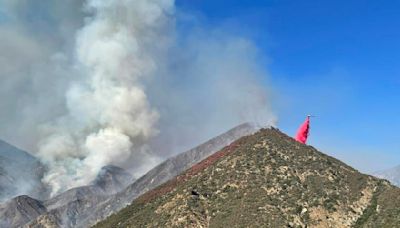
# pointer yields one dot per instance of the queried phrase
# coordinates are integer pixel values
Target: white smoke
(109, 116)
(116, 83)
(215, 81)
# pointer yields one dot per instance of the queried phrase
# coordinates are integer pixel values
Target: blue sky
(338, 60)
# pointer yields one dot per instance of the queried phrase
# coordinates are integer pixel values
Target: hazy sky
(334, 59)
(338, 60)
(89, 83)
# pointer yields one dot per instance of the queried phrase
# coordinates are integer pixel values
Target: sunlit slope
(266, 180)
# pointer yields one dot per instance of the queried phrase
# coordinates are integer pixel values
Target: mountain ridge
(21, 210)
(166, 170)
(266, 179)
(159, 174)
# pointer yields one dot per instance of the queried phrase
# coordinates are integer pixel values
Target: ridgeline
(266, 180)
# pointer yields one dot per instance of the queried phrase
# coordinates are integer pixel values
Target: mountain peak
(20, 210)
(112, 179)
(266, 179)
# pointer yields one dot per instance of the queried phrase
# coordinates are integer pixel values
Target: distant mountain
(392, 175)
(20, 210)
(112, 179)
(20, 174)
(265, 180)
(66, 208)
(97, 208)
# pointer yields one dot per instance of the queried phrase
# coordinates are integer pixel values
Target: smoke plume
(92, 83)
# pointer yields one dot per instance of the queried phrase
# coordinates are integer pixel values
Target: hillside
(266, 180)
(65, 209)
(82, 207)
(19, 211)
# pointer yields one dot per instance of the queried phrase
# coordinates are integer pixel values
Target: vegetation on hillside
(266, 180)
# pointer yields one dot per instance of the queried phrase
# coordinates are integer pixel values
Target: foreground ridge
(266, 179)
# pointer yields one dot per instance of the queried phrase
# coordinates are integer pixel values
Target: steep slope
(20, 174)
(20, 210)
(167, 170)
(392, 175)
(266, 180)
